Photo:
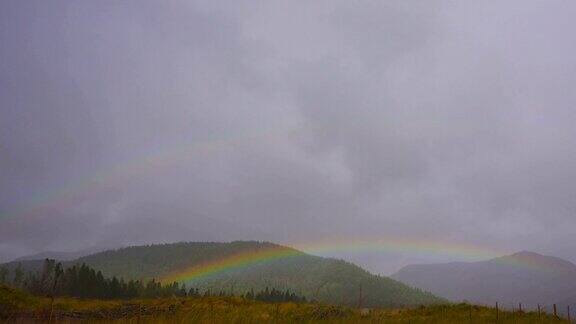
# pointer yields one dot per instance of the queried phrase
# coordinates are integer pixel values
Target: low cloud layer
(142, 121)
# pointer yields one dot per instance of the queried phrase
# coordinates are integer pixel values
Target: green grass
(20, 307)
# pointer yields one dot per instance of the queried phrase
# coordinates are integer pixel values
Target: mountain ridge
(523, 277)
(60, 255)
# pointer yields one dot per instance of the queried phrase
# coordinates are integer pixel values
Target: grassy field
(19, 307)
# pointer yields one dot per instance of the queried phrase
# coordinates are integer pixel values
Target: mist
(294, 122)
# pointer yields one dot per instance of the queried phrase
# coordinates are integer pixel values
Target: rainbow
(235, 261)
(77, 191)
(248, 258)
(399, 245)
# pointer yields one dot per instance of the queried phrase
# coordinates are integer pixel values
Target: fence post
(470, 313)
(496, 312)
(520, 307)
(277, 312)
(212, 315)
(568, 310)
(539, 312)
(555, 313)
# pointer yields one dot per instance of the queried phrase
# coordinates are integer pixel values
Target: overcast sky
(130, 122)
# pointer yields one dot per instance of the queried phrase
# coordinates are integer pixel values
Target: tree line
(82, 281)
(275, 296)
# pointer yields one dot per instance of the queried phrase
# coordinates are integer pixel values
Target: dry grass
(19, 307)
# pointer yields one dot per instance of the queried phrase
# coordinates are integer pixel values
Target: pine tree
(4, 275)
(18, 275)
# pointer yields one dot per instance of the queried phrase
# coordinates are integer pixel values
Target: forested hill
(323, 279)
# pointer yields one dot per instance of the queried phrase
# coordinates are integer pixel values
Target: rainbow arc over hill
(76, 192)
(136, 167)
(252, 257)
(235, 261)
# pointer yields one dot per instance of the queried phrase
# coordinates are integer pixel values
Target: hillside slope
(524, 277)
(316, 278)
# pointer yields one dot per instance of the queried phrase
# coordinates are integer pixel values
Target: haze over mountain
(525, 277)
(57, 255)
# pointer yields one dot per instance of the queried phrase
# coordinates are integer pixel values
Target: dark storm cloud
(140, 121)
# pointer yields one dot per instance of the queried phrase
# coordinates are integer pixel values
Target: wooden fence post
(539, 312)
(555, 313)
(277, 312)
(568, 310)
(212, 315)
(496, 312)
(520, 307)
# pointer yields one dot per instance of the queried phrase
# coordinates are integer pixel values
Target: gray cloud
(138, 121)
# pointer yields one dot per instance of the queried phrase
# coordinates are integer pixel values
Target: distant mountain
(317, 278)
(60, 256)
(525, 277)
(24, 265)
(34, 262)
